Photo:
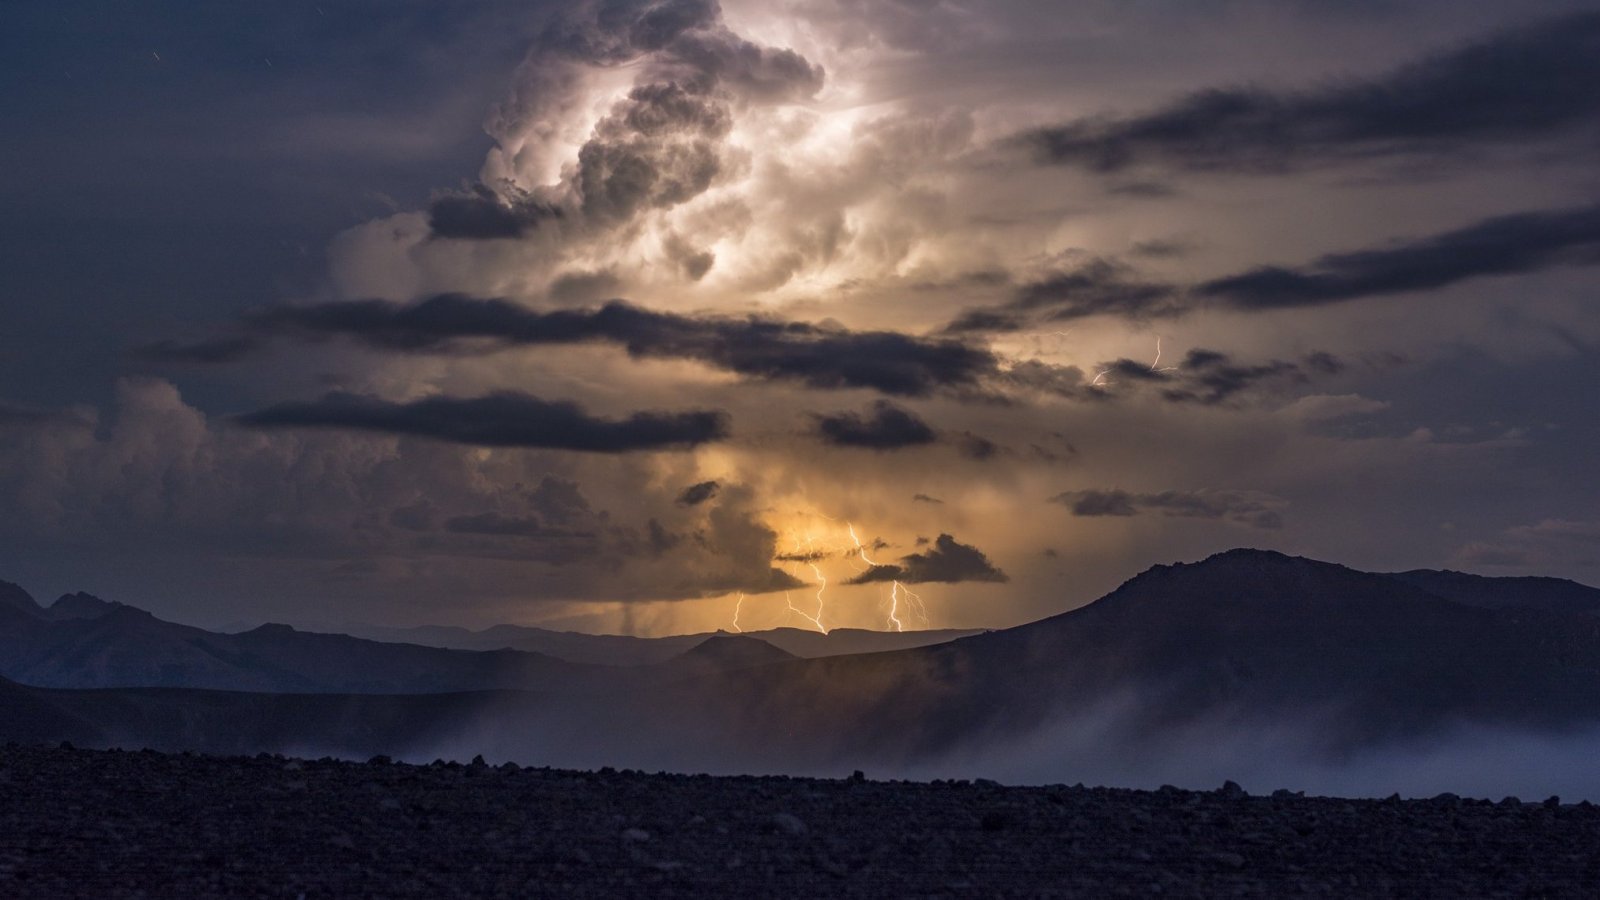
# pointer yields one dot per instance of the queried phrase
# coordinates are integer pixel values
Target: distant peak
(14, 596)
(1251, 554)
(735, 649)
(1257, 575)
(81, 606)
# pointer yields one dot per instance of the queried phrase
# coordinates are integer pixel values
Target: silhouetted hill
(80, 606)
(626, 650)
(15, 601)
(723, 653)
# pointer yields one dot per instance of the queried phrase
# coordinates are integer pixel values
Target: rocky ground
(127, 824)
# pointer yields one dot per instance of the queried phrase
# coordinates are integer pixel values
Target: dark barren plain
(84, 823)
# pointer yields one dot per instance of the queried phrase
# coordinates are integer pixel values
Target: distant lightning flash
(860, 548)
(807, 547)
(737, 606)
(1156, 366)
(803, 614)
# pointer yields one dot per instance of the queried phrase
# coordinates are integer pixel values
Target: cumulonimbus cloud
(502, 419)
(657, 147)
(1515, 86)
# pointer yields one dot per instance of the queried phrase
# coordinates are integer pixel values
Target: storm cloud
(1097, 287)
(1203, 376)
(502, 419)
(1252, 508)
(1520, 85)
(948, 561)
(659, 146)
(814, 355)
(885, 427)
(1503, 245)
(696, 494)
(495, 524)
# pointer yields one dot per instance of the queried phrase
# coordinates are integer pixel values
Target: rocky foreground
(122, 824)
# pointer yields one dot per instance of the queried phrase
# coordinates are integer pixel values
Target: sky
(655, 316)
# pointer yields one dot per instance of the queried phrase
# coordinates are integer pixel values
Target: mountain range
(1244, 639)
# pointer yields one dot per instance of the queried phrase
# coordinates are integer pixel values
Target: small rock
(788, 824)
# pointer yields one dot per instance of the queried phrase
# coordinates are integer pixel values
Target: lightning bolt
(913, 603)
(1156, 366)
(814, 620)
(822, 585)
(737, 606)
(860, 548)
(897, 591)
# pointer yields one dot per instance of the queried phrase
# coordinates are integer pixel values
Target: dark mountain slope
(128, 647)
(1549, 594)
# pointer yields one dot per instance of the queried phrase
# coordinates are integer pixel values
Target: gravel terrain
(82, 823)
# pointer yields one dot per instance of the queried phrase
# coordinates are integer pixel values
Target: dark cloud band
(885, 427)
(1513, 244)
(1504, 245)
(1515, 86)
(813, 355)
(505, 419)
(1242, 507)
